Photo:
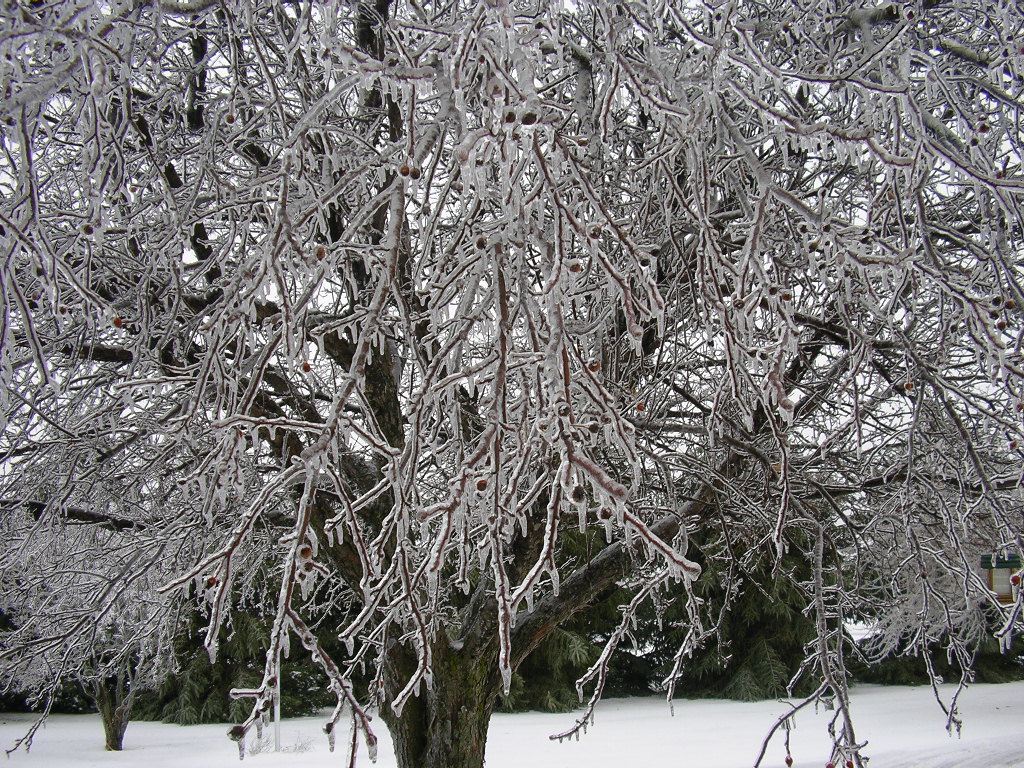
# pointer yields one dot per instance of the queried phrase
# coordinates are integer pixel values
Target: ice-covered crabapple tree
(401, 297)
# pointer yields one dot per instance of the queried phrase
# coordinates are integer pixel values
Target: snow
(904, 727)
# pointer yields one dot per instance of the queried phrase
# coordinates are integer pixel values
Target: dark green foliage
(762, 674)
(13, 702)
(69, 700)
(546, 681)
(198, 692)
(990, 666)
(759, 650)
(762, 640)
(993, 666)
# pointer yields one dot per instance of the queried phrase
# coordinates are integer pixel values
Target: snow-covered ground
(904, 727)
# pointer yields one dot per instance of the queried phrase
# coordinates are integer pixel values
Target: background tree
(80, 614)
(398, 293)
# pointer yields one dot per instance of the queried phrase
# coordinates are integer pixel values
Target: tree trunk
(113, 702)
(446, 725)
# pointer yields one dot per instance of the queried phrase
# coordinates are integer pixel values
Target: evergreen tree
(758, 650)
(198, 691)
(546, 681)
(762, 641)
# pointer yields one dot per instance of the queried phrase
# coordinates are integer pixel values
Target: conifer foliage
(387, 298)
(196, 690)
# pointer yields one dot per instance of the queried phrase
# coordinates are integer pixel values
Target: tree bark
(112, 699)
(446, 725)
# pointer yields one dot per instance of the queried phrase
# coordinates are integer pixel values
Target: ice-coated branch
(598, 671)
(441, 324)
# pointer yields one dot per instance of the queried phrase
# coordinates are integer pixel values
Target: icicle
(506, 678)
(237, 734)
(398, 706)
(371, 746)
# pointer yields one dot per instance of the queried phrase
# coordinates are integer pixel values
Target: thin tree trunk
(113, 701)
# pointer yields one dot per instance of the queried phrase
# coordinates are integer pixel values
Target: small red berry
(229, 118)
(830, 765)
(849, 764)
(307, 367)
(414, 173)
(321, 253)
(1015, 579)
(118, 322)
(789, 759)
(481, 484)
(404, 170)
